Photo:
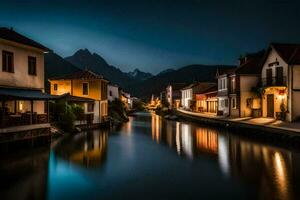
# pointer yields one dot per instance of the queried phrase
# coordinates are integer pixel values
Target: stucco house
(22, 98)
(112, 92)
(188, 94)
(84, 84)
(207, 100)
(243, 100)
(173, 94)
(280, 79)
(223, 90)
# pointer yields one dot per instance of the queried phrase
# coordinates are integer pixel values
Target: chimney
(11, 28)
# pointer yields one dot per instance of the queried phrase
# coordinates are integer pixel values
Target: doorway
(270, 105)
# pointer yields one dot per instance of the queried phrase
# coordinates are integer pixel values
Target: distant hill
(139, 75)
(57, 66)
(187, 74)
(83, 59)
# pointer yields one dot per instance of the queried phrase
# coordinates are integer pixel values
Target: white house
(223, 90)
(112, 92)
(281, 81)
(22, 101)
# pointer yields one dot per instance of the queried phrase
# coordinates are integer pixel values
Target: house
(243, 99)
(174, 94)
(126, 99)
(112, 92)
(84, 84)
(223, 90)
(280, 79)
(22, 98)
(188, 94)
(207, 101)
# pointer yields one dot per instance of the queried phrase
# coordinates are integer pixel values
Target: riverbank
(259, 127)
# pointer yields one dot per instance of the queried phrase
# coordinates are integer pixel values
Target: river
(152, 158)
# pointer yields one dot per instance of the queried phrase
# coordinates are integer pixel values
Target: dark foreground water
(152, 158)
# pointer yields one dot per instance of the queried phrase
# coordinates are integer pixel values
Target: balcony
(274, 81)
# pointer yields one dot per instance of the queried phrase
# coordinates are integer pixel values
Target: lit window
(55, 87)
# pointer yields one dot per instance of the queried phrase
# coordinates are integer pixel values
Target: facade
(173, 94)
(280, 79)
(126, 99)
(188, 94)
(84, 84)
(207, 101)
(23, 101)
(243, 101)
(223, 91)
(112, 92)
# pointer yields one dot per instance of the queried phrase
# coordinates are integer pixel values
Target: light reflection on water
(179, 160)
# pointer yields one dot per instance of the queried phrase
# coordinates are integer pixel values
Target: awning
(24, 94)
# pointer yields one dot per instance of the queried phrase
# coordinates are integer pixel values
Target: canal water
(152, 158)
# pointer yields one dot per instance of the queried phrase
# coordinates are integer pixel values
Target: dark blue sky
(156, 34)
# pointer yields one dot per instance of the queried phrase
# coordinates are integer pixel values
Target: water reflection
(87, 149)
(151, 152)
(269, 168)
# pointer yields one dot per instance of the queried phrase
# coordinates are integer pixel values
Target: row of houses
(24, 105)
(264, 84)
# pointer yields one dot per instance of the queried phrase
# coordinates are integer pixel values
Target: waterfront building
(223, 90)
(188, 94)
(244, 101)
(87, 85)
(112, 92)
(23, 103)
(207, 101)
(280, 79)
(126, 99)
(173, 95)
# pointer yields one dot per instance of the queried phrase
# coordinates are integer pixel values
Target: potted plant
(283, 111)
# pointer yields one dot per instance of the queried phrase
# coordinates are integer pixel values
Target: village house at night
(24, 105)
(87, 86)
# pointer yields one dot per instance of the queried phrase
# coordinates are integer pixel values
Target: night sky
(156, 34)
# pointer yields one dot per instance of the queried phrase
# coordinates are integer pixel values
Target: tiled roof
(83, 75)
(178, 86)
(200, 87)
(225, 71)
(290, 53)
(253, 64)
(11, 35)
(72, 98)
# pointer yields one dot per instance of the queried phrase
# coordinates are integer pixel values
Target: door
(270, 105)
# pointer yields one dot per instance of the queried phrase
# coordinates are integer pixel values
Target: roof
(290, 53)
(200, 87)
(24, 94)
(72, 98)
(252, 65)
(11, 35)
(83, 74)
(178, 86)
(225, 71)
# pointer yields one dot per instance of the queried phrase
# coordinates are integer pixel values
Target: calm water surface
(152, 158)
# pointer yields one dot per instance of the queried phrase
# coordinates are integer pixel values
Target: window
(233, 103)
(7, 61)
(55, 87)
(31, 65)
(226, 102)
(90, 107)
(110, 93)
(85, 88)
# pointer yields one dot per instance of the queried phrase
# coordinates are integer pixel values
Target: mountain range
(138, 83)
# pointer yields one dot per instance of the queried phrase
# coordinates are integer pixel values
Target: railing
(274, 81)
(10, 120)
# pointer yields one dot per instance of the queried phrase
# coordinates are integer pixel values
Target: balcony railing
(10, 120)
(274, 81)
